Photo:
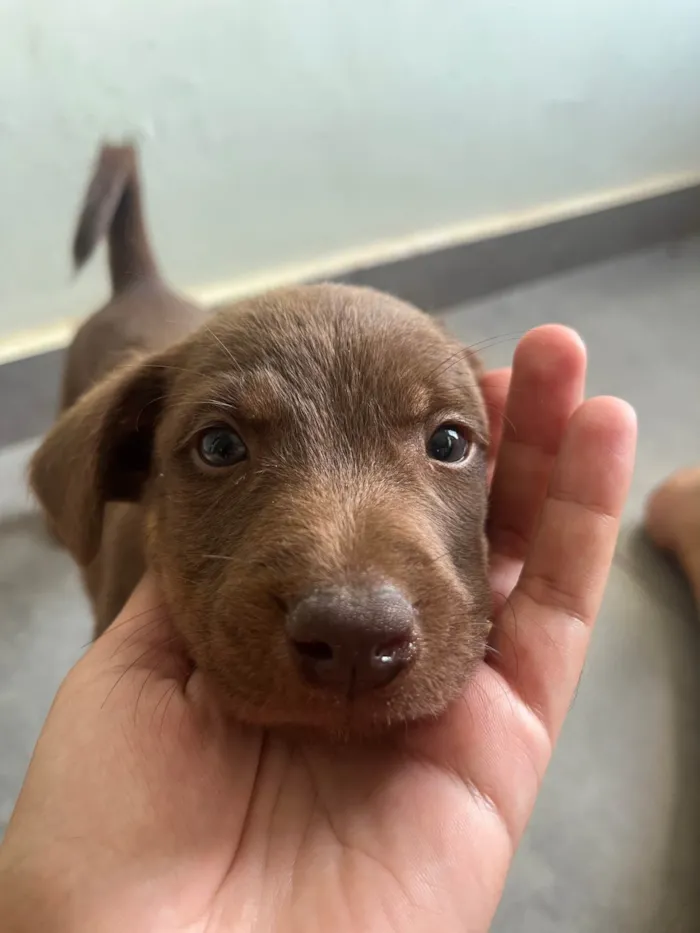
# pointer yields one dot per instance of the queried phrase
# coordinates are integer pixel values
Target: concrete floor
(614, 843)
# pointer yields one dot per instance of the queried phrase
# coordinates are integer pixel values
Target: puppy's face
(312, 466)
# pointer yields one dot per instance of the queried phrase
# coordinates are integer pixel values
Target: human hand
(144, 810)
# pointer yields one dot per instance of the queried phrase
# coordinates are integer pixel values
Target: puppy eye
(449, 444)
(221, 447)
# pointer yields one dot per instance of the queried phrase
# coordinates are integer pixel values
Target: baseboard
(465, 272)
(434, 270)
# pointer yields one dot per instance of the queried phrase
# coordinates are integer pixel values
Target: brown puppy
(306, 475)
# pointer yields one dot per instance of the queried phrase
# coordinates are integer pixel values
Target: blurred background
(285, 134)
(503, 163)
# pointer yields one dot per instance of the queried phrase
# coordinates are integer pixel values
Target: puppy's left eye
(220, 446)
(449, 444)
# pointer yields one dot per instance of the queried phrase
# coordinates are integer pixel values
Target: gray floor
(615, 840)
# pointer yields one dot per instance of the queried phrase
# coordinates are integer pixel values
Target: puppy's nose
(353, 639)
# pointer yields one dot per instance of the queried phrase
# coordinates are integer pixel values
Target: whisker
(116, 626)
(501, 412)
(491, 649)
(223, 346)
(140, 693)
(167, 705)
(148, 404)
(470, 350)
(167, 692)
(139, 631)
(488, 341)
(126, 670)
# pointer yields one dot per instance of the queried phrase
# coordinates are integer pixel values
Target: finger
(546, 387)
(494, 387)
(142, 636)
(540, 639)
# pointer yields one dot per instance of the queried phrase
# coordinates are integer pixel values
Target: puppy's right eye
(220, 446)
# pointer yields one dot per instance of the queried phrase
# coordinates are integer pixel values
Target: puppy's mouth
(351, 707)
(344, 662)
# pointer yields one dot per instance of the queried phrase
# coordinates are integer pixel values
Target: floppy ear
(98, 451)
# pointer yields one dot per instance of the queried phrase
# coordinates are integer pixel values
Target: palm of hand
(256, 832)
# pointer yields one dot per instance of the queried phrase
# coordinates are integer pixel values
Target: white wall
(278, 131)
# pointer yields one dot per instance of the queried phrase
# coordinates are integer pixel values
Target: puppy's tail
(113, 208)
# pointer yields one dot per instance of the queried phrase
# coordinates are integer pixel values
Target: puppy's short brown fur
(334, 393)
